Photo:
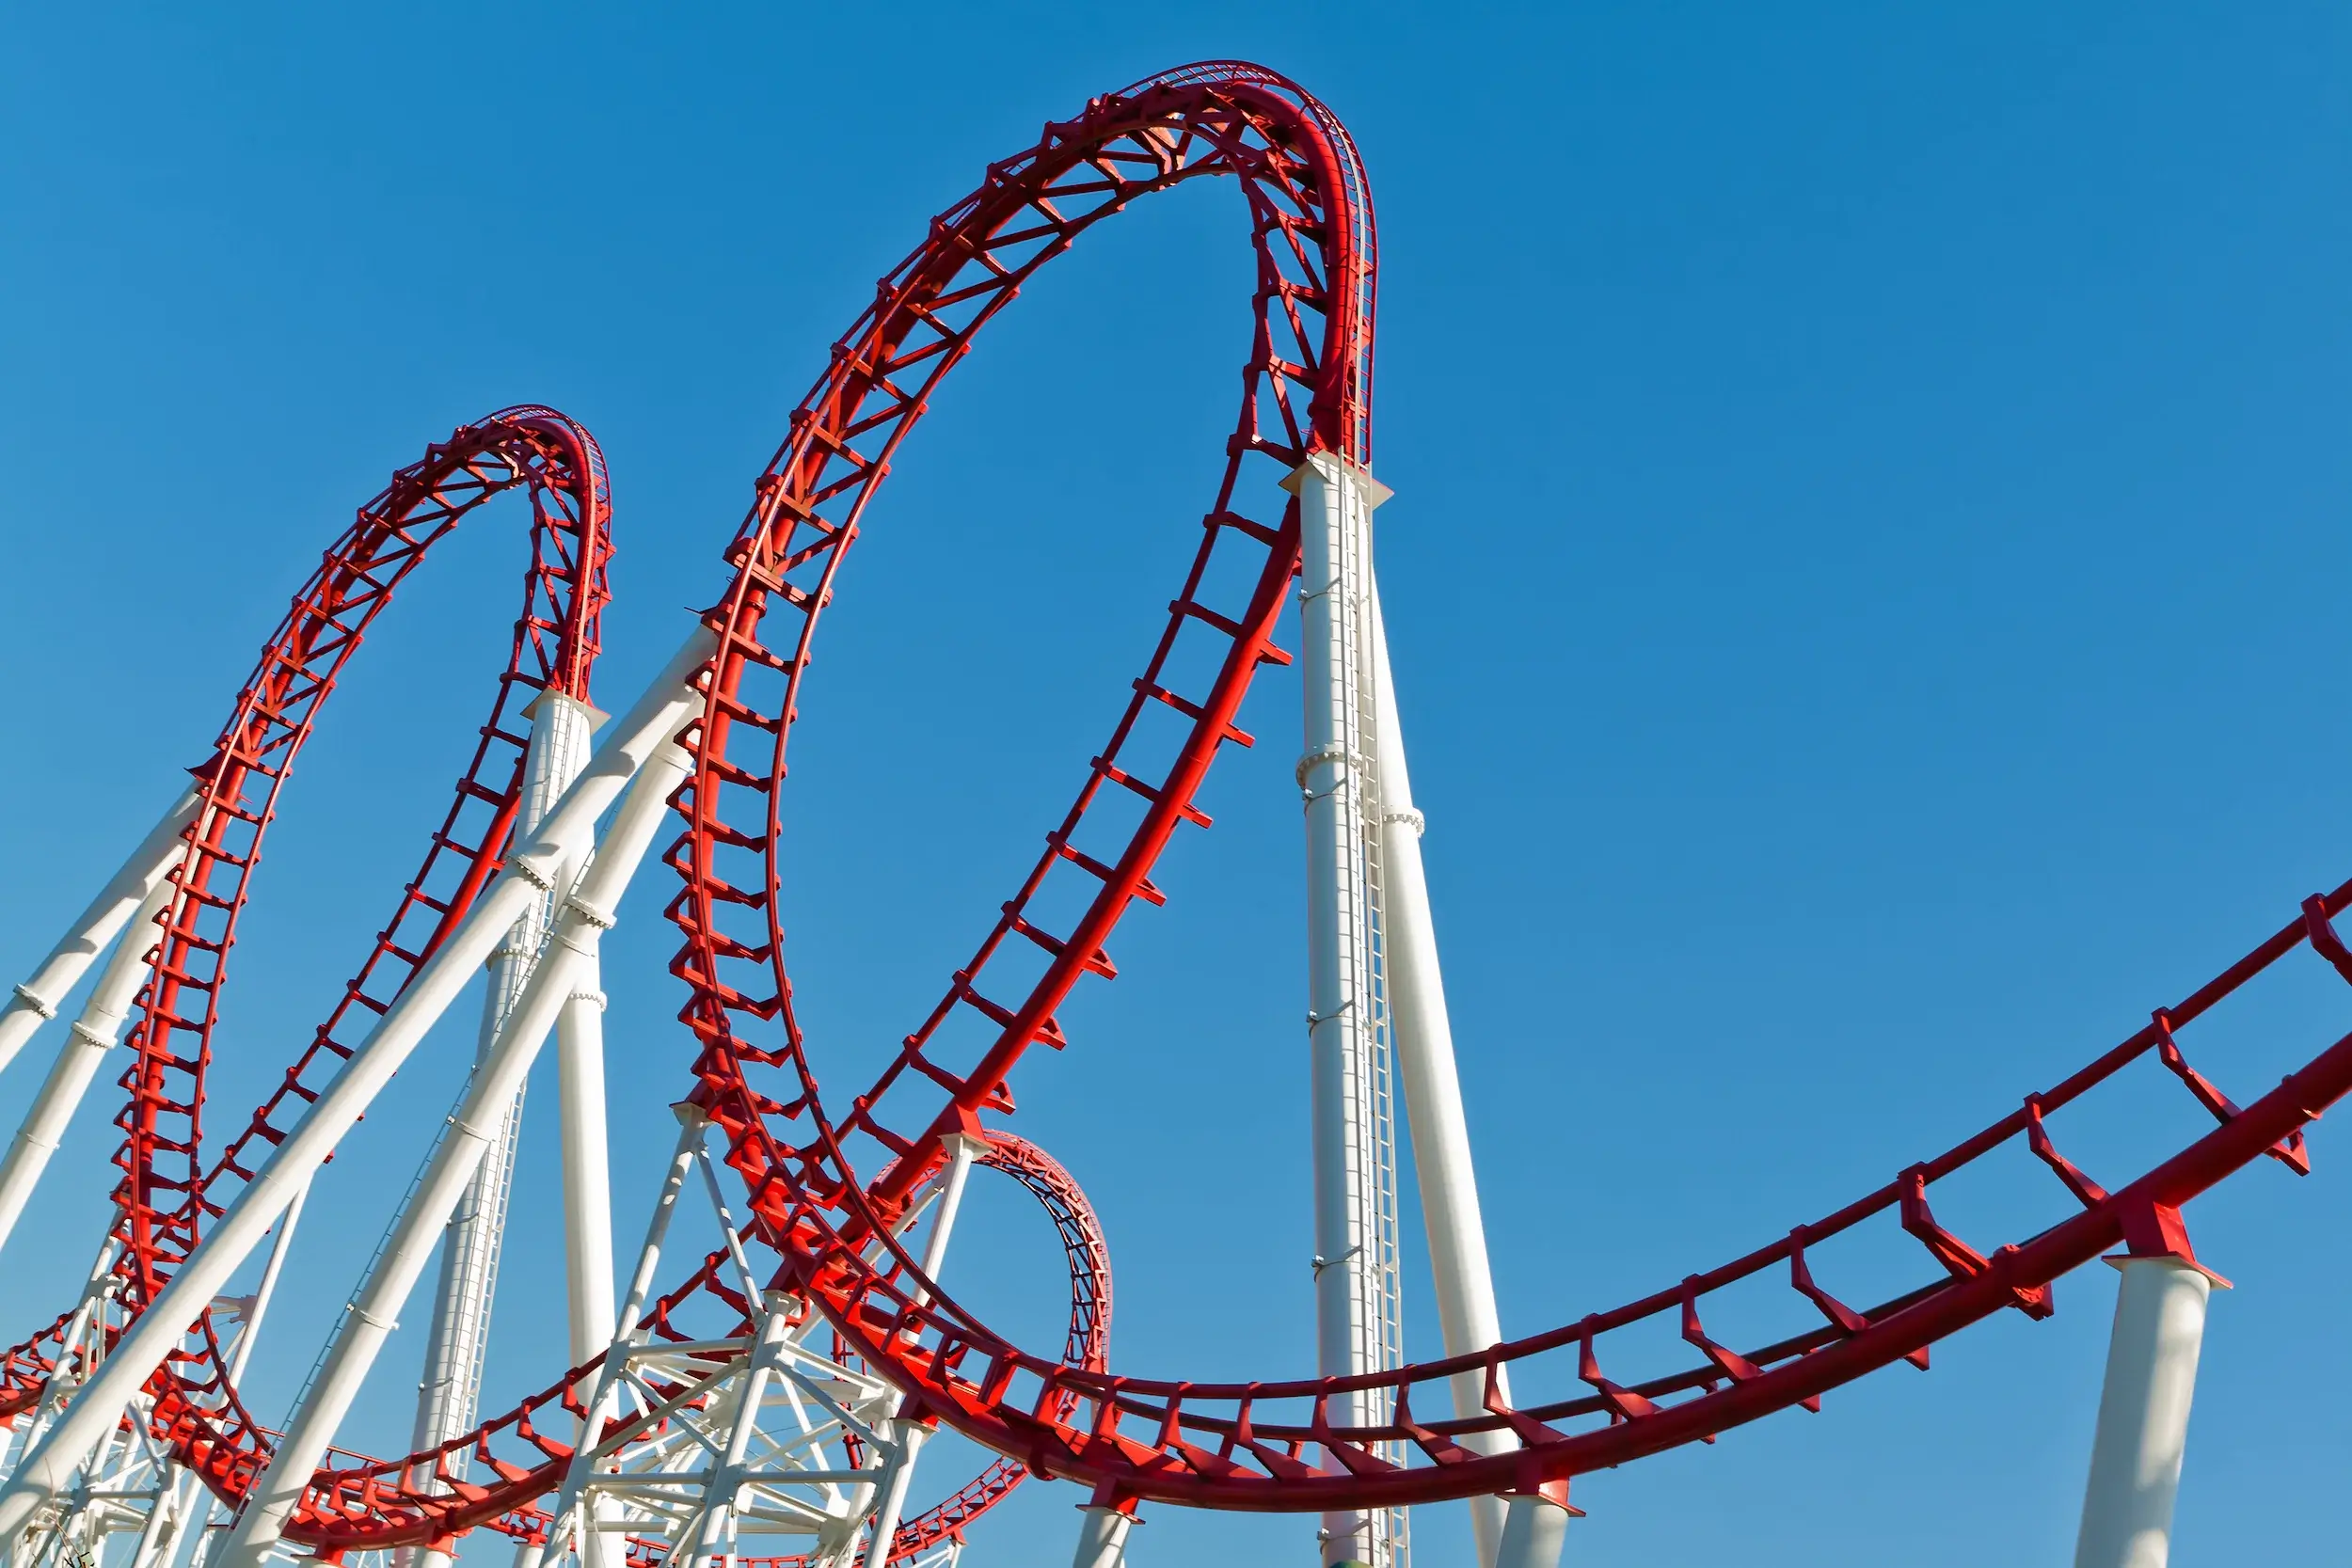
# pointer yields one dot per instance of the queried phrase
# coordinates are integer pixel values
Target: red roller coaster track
(161, 1209)
(827, 1180)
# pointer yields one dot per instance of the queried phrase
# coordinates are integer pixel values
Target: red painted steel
(166, 1193)
(1257, 1446)
(1087, 1345)
(1263, 1445)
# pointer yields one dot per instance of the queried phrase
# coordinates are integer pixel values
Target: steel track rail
(1267, 1446)
(167, 1192)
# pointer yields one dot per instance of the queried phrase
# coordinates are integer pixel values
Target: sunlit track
(168, 1191)
(786, 1386)
(195, 1408)
(1243, 1446)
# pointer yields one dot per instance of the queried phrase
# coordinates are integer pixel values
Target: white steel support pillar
(586, 915)
(587, 1193)
(708, 1536)
(900, 1472)
(587, 1173)
(1466, 1319)
(2143, 1413)
(651, 725)
(1535, 1528)
(570, 1522)
(1358, 1323)
(84, 1335)
(37, 998)
(78, 1059)
(183, 1498)
(1102, 1536)
(560, 731)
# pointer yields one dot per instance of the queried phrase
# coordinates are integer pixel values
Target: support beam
(85, 1333)
(97, 1407)
(1357, 1316)
(899, 1473)
(182, 1499)
(1102, 1536)
(711, 1531)
(571, 1522)
(1467, 1318)
(38, 997)
(2143, 1413)
(587, 1173)
(358, 1338)
(1534, 1528)
(561, 728)
(79, 1058)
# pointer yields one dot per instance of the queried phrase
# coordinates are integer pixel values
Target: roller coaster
(763, 1395)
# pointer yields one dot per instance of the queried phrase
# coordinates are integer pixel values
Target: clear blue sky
(1866, 578)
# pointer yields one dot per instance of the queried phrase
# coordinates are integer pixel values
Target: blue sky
(1865, 578)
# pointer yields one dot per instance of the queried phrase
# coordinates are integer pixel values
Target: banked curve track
(826, 1179)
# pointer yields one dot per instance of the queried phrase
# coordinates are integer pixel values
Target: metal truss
(716, 1447)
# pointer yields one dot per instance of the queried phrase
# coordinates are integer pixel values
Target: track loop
(167, 1192)
(826, 1186)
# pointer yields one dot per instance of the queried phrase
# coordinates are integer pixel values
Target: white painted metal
(1102, 1538)
(78, 1059)
(587, 1193)
(1533, 1531)
(37, 999)
(565, 1532)
(458, 1339)
(81, 1345)
(135, 1487)
(1358, 1307)
(585, 915)
(2143, 1413)
(184, 1498)
(699, 1457)
(587, 1178)
(900, 1472)
(1442, 1169)
(650, 726)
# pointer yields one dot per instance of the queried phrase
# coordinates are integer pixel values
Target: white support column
(587, 1178)
(899, 1473)
(586, 915)
(85, 1333)
(570, 1522)
(182, 1498)
(85, 1046)
(2143, 1413)
(1103, 1536)
(710, 1532)
(172, 1499)
(1353, 1158)
(651, 725)
(561, 728)
(266, 1291)
(1533, 1531)
(1442, 1169)
(37, 999)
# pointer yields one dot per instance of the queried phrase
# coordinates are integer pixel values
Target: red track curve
(1257, 1446)
(166, 1194)
(556, 642)
(1247, 1446)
